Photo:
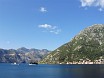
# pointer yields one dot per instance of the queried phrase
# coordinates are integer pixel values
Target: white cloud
(94, 3)
(100, 3)
(43, 9)
(45, 26)
(87, 2)
(50, 28)
(57, 31)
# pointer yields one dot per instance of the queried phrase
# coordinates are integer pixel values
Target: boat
(33, 63)
(15, 63)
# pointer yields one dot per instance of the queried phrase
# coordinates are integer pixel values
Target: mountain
(85, 48)
(23, 49)
(22, 55)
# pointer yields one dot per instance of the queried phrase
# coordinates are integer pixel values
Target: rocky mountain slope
(22, 55)
(85, 48)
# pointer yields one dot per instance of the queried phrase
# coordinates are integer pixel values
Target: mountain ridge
(85, 48)
(22, 55)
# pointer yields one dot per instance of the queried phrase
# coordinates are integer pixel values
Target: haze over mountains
(22, 55)
(85, 48)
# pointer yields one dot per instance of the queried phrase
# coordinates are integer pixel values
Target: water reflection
(77, 71)
(92, 71)
(51, 71)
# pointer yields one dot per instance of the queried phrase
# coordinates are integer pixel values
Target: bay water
(51, 71)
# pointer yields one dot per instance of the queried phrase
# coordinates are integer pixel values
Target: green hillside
(85, 48)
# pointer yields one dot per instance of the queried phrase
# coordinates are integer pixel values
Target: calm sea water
(51, 71)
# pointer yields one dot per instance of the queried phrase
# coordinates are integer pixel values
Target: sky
(46, 24)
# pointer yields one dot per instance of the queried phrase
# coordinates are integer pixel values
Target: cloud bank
(93, 3)
(50, 28)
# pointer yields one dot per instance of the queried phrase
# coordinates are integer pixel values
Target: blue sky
(46, 24)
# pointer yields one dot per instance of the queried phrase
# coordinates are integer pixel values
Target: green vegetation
(87, 45)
